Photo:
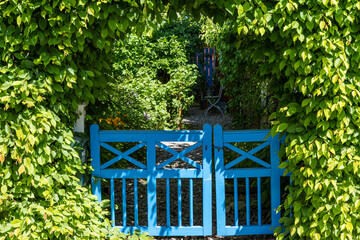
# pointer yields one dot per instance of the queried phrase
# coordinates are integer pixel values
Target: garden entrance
(173, 195)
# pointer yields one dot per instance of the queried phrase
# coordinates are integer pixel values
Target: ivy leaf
(27, 162)
(18, 20)
(6, 85)
(104, 33)
(58, 88)
(27, 64)
(310, 25)
(16, 223)
(283, 165)
(21, 169)
(3, 189)
(282, 127)
(337, 62)
(71, 71)
(100, 43)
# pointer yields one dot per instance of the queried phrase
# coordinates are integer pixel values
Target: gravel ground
(195, 120)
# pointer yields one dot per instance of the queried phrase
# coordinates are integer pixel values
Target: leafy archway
(54, 55)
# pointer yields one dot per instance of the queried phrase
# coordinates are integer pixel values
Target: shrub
(186, 30)
(156, 77)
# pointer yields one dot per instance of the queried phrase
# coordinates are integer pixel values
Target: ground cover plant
(55, 54)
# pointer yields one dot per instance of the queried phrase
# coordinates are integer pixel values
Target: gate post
(95, 163)
(151, 184)
(220, 180)
(207, 180)
(275, 180)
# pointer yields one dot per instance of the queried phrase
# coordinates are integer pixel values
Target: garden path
(196, 118)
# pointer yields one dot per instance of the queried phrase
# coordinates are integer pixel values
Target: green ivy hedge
(54, 55)
(314, 54)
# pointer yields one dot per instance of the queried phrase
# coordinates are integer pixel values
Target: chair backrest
(220, 91)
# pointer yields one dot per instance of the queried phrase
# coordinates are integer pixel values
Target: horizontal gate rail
(270, 170)
(151, 172)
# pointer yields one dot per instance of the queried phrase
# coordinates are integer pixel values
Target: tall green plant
(187, 30)
(158, 75)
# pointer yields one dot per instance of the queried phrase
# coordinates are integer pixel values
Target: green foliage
(115, 235)
(123, 111)
(52, 56)
(247, 88)
(187, 31)
(157, 76)
(313, 51)
(55, 54)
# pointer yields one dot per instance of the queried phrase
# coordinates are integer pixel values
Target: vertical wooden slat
(136, 212)
(112, 201)
(167, 202)
(259, 199)
(220, 180)
(179, 203)
(124, 201)
(207, 180)
(247, 201)
(191, 202)
(275, 180)
(151, 184)
(236, 202)
(95, 163)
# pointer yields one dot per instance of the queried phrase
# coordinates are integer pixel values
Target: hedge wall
(54, 54)
(318, 55)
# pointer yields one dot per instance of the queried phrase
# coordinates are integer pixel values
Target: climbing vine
(317, 54)
(54, 54)
(312, 53)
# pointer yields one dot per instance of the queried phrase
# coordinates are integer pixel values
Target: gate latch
(218, 148)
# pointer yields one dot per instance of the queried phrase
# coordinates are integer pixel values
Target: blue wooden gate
(151, 171)
(247, 179)
(233, 173)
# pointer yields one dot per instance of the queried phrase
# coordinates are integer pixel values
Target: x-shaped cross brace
(247, 155)
(122, 155)
(179, 155)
